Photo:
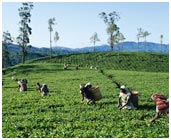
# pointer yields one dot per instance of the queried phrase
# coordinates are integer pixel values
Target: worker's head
(88, 85)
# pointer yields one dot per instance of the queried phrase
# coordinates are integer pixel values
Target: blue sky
(77, 21)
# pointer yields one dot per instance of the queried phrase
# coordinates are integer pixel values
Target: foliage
(63, 115)
(161, 41)
(7, 39)
(153, 62)
(25, 29)
(142, 34)
(94, 38)
(112, 28)
(50, 23)
(56, 37)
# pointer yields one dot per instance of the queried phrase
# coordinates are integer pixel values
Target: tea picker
(162, 105)
(91, 93)
(22, 85)
(127, 99)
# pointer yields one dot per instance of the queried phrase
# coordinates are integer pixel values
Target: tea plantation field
(63, 115)
(155, 62)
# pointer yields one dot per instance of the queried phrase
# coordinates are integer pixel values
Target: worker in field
(162, 105)
(66, 66)
(85, 92)
(38, 87)
(44, 90)
(124, 101)
(22, 85)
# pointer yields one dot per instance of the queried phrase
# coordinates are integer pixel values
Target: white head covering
(88, 84)
(122, 87)
(126, 89)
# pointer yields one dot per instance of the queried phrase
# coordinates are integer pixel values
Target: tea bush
(63, 115)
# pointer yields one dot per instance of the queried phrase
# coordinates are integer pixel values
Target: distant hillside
(130, 47)
(38, 52)
(125, 47)
(151, 62)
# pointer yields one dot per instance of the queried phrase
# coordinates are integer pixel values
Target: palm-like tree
(51, 22)
(120, 38)
(113, 31)
(112, 28)
(161, 41)
(139, 35)
(94, 38)
(56, 37)
(144, 35)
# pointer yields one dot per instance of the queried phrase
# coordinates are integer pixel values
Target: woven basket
(96, 94)
(134, 98)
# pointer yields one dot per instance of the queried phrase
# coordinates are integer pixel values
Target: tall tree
(94, 38)
(6, 40)
(112, 28)
(56, 37)
(144, 35)
(51, 22)
(161, 42)
(25, 30)
(120, 38)
(139, 35)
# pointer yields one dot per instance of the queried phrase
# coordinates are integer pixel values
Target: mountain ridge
(128, 46)
(39, 52)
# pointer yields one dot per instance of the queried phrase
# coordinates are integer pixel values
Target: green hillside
(110, 60)
(63, 115)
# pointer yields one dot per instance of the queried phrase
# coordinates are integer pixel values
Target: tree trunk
(138, 46)
(161, 46)
(145, 44)
(23, 55)
(111, 48)
(94, 46)
(111, 42)
(50, 46)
